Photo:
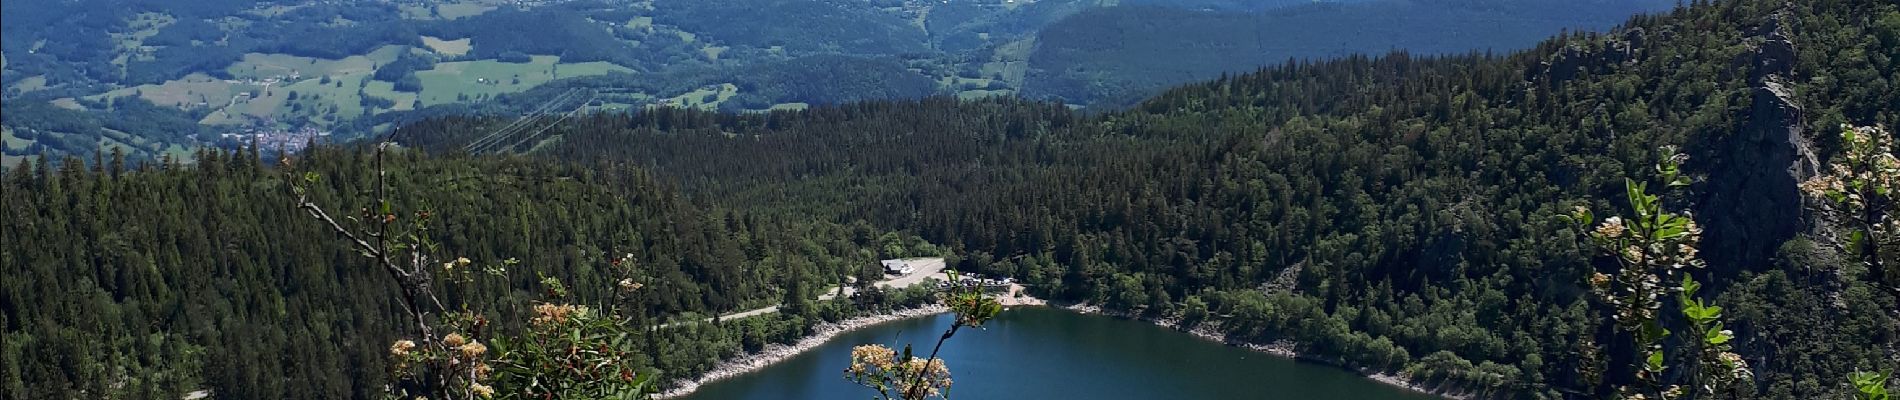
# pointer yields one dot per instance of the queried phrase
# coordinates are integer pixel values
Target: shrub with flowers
(1859, 190)
(1654, 248)
(896, 375)
(571, 352)
(454, 365)
(877, 367)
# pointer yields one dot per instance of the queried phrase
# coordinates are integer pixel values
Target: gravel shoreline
(774, 353)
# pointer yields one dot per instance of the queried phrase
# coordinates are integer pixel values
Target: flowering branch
(1860, 189)
(911, 378)
(1652, 245)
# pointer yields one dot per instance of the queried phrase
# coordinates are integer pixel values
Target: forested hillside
(1397, 212)
(152, 280)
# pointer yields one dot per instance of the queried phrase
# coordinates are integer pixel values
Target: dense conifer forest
(1396, 213)
(151, 280)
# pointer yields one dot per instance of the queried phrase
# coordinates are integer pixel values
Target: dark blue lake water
(1040, 353)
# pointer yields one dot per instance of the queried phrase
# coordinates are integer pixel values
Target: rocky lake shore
(779, 352)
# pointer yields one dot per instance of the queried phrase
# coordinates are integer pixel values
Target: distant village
(270, 137)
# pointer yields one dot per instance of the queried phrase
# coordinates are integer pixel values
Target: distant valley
(154, 79)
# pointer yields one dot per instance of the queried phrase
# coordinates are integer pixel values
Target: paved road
(926, 268)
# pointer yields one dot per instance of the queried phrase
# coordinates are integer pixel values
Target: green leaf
(1653, 331)
(1872, 385)
(1635, 192)
(1855, 240)
(1655, 361)
(1716, 336)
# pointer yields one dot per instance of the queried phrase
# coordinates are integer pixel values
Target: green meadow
(457, 81)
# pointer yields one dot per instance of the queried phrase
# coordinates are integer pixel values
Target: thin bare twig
(413, 281)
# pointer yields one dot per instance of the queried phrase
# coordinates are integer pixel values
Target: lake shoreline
(743, 364)
(1282, 348)
(774, 353)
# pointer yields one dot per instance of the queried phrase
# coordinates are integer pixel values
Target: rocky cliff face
(1750, 203)
(1574, 60)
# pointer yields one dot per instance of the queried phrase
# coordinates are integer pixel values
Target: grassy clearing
(262, 89)
(238, 103)
(451, 81)
(221, 117)
(261, 104)
(68, 103)
(265, 78)
(451, 48)
(265, 66)
(1011, 61)
(958, 82)
(340, 92)
(31, 83)
(788, 107)
(318, 102)
(707, 97)
(641, 23)
(14, 142)
(404, 100)
(415, 11)
(712, 52)
(11, 142)
(921, 20)
(330, 91)
(181, 153)
(118, 140)
(130, 44)
(195, 90)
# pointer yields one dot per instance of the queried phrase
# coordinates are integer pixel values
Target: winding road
(926, 268)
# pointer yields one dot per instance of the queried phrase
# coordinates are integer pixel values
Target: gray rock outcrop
(1750, 202)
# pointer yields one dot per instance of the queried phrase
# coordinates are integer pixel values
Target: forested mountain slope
(152, 280)
(1397, 212)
